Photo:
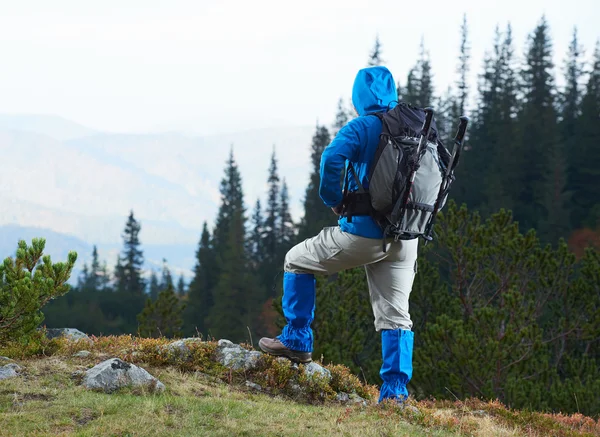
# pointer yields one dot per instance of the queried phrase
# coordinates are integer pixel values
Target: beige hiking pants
(390, 274)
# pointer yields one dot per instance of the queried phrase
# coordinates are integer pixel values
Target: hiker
(357, 241)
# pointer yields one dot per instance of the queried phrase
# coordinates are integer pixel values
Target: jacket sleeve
(345, 146)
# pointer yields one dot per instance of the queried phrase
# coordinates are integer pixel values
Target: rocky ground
(72, 384)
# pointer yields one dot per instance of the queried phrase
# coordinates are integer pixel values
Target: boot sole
(287, 353)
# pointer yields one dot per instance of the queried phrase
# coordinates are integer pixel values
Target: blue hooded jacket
(374, 90)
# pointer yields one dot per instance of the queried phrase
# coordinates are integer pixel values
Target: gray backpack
(410, 175)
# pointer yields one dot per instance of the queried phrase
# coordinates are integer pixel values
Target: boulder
(180, 349)
(9, 371)
(82, 354)
(113, 374)
(356, 399)
(236, 357)
(313, 368)
(253, 386)
(342, 397)
(68, 333)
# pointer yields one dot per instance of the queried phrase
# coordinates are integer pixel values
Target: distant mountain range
(76, 186)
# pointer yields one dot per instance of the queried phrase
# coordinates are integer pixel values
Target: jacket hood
(374, 89)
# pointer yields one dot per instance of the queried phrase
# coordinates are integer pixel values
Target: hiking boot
(273, 346)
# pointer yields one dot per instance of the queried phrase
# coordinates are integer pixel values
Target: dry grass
(204, 398)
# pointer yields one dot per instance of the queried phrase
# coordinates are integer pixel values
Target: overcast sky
(225, 65)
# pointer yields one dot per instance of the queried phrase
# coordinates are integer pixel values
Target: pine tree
(236, 295)
(84, 278)
(181, 291)
(375, 55)
(166, 278)
(287, 234)
(341, 117)
(419, 83)
(585, 176)
(128, 272)
(542, 203)
(162, 317)
(200, 291)
(255, 242)
(316, 214)
(271, 224)
(570, 111)
(410, 93)
(154, 286)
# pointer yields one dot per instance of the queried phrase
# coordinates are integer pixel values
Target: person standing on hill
(353, 243)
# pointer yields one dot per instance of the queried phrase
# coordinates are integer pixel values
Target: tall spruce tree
(153, 286)
(181, 291)
(162, 317)
(255, 242)
(570, 111)
(271, 224)
(166, 279)
(201, 288)
(236, 295)
(542, 203)
(128, 272)
(316, 214)
(375, 55)
(585, 175)
(287, 231)
(341, 117)
(419, 83)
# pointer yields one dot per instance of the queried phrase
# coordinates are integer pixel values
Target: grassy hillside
(203, 398)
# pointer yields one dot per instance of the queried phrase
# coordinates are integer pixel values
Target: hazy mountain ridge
(77, 186)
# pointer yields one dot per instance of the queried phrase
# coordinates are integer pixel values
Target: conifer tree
(271, 223)
(341, 117)
(128, 272)
(162, 317)
(542, 203)
(375, 55)
(287, 234)
(181, 291)
(166, 278)
(419, 84)
(236, 295)
(316, 214)
(153, 286)
(585, 175)
(200, 293)
(255, 241)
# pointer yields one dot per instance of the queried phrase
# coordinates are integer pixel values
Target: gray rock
(356, 399)
(411, 408)
(284, 360)
(480, 413)
(180, 349)
(253, 386)
(68, 333)
(313, 368)
(342, 397)
(5, 359)
(236, 357)
(225, 343)
(113, 374)
(9, 371)
(82, 354)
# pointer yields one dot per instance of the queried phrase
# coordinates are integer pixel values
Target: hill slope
(204, 399)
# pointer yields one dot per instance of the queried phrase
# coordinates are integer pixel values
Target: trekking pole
(415, 165)
(458, 143)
